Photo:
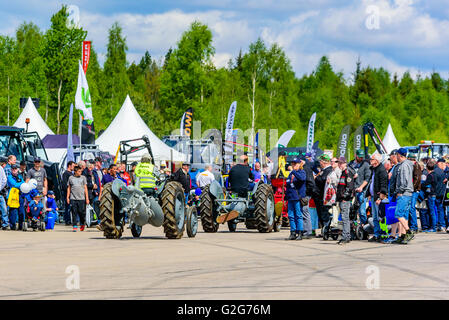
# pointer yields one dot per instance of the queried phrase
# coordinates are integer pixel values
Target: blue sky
(399, 35)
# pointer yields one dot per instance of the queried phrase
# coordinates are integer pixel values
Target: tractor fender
(158, 215)
(215, 189)
(256, 185)
(117, 187)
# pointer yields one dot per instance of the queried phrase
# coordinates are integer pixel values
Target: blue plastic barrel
(50, 221)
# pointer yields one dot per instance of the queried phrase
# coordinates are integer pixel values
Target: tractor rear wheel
(173, 206)
(264, 213)
(207, 212)
(111, 220)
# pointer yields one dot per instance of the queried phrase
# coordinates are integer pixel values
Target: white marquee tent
(36, 122)
(128, 125)
(390, 141)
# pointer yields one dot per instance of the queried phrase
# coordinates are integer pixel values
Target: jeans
(402, 207)
(432, 212)
(413, 221)
(4, 212)
(307, 219)
(441, 214)
(78, 211)
(344, 210)
(295, 216)
(19, 213)
(425, 219)
(362, 209)
(375, 213)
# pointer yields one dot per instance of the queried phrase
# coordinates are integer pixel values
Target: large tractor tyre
(111, 221)
(264, 213)
(173, 206)
(191, 222)
(207, 212)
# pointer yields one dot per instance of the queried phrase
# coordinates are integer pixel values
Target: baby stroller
(36, 223)
(386, 218)
(355, 228)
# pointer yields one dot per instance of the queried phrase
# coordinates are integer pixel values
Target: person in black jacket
(310, 192)
(345, 194)
(377, 190)
(183, 177)
(320, 182)
(439, 193)
(430, 186)
(65, 182)
(239, 176)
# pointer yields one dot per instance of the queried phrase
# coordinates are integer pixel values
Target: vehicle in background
(431, 149)
(27, 146)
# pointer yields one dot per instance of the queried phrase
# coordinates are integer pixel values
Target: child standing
(77, 197)
(51, 205)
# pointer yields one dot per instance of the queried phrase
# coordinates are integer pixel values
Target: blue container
(51, 217)
(389, 212)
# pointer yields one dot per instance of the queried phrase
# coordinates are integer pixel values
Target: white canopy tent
(36, 122)
(389, 141)
(128, 125)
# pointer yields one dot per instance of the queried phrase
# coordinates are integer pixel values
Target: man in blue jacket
(15, 181)
(295, 190)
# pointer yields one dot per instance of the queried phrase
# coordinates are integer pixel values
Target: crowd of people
(337, 187)
(333, 186)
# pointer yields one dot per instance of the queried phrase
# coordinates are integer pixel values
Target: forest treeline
(44, 64)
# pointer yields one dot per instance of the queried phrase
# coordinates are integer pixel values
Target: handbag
(14, 198)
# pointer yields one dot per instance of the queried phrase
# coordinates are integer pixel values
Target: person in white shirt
(205, 178)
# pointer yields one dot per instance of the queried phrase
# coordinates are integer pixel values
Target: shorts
(402, 207)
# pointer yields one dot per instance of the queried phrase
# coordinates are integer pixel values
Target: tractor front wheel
(173, 206)
(265, 214)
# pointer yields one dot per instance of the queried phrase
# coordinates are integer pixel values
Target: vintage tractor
(163, 205)
(256, 210)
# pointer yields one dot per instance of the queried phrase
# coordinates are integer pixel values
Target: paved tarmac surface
(224, 265)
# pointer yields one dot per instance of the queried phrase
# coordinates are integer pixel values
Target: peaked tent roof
(128, 125)
(36, 122)
(390, 141)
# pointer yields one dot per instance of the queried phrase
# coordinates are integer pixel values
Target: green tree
(61, 54)
(184, 81)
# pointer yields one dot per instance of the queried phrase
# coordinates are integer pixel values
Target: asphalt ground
(223, 265)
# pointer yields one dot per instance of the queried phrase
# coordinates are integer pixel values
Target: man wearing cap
(40, 175)
(362, 176)
(183, 177)
(413, 220)
(320, 181)
(311, 191)
(295, 190)
(377, 191)
(439, 193)
(345, 194)
(403, 190)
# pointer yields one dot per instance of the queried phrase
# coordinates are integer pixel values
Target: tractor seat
(149, 191)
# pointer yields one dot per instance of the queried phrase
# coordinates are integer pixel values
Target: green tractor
(256, 210)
